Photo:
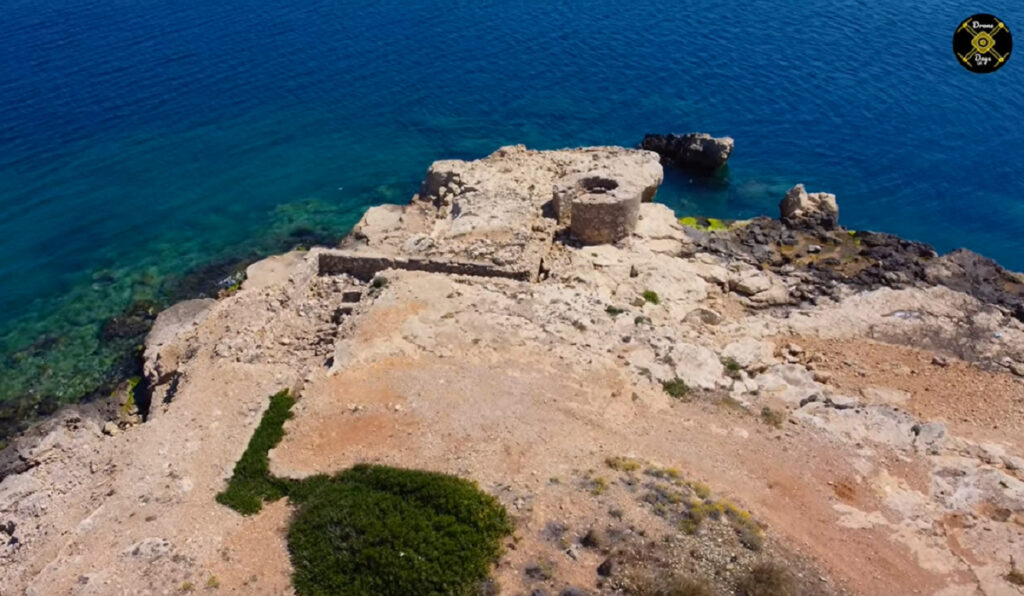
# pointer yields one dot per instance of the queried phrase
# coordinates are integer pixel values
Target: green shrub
(373, 530)
(677, 388)
(251, 483)
(651, 297)
(614, 310)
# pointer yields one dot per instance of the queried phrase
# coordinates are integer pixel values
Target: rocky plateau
(533, 321)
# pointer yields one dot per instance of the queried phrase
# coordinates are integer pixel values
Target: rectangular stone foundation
(364, 266)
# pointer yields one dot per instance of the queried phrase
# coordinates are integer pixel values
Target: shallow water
(139, 140)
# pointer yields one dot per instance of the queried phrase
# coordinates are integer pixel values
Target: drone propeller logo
(982, 43)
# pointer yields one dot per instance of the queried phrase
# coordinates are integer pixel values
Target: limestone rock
(749, 354)
(698, 366)
(160, 356)
(695, 151)
(930, 434)
(800, 209)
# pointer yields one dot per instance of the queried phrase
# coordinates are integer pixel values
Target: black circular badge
(982, 43)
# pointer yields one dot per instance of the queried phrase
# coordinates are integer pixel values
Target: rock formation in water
(838, 412)
(695, 151)
(802, 209)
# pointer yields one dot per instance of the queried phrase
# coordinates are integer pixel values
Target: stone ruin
(498, 216)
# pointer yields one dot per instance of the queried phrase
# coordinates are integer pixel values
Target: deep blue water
(140, 139)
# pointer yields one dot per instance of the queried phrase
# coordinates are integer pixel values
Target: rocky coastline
(630, 388)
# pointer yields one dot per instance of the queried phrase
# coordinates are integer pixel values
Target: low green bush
(251, 483)
(388, 531)
(677, 388)
(373, 530)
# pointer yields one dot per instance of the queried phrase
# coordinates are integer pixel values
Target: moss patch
(373, 530)
(705, 224)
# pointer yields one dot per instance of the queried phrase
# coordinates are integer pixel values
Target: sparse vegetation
(673, 585)
(598, 485)
(670, 473)
(622, 464)
(772, 417)
(732, 368)
(614, 310)
(212, 583)
(379, 282)
(677, 388)
(651, 297)
(373, 529)
(641, 320)
(767, 579)
(700, 489)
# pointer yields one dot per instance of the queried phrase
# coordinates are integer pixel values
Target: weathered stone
(929, 434)
(704, 315)
(800, 209)
(698, 366)
(601, 211)
(695, 151)
(753, 282)
(749, 354)
(160, 357)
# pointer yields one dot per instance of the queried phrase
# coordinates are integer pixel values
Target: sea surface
(140, 141)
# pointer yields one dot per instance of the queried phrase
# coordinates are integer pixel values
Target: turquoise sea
(142, 140)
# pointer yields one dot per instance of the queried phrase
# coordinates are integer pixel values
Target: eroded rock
(800, 209)
(694, 151)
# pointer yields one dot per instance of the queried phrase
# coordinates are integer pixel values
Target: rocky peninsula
(658, 404)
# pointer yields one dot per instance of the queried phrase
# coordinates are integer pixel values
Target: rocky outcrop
(697, 151)
(800, 209)
(161, 353)
(501, 213)
(469, 332)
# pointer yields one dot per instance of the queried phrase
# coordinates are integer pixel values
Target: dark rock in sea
(207, 281)
(697, 152)
(135, 321)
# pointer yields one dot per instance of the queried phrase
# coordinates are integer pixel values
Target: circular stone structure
(599, 208)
